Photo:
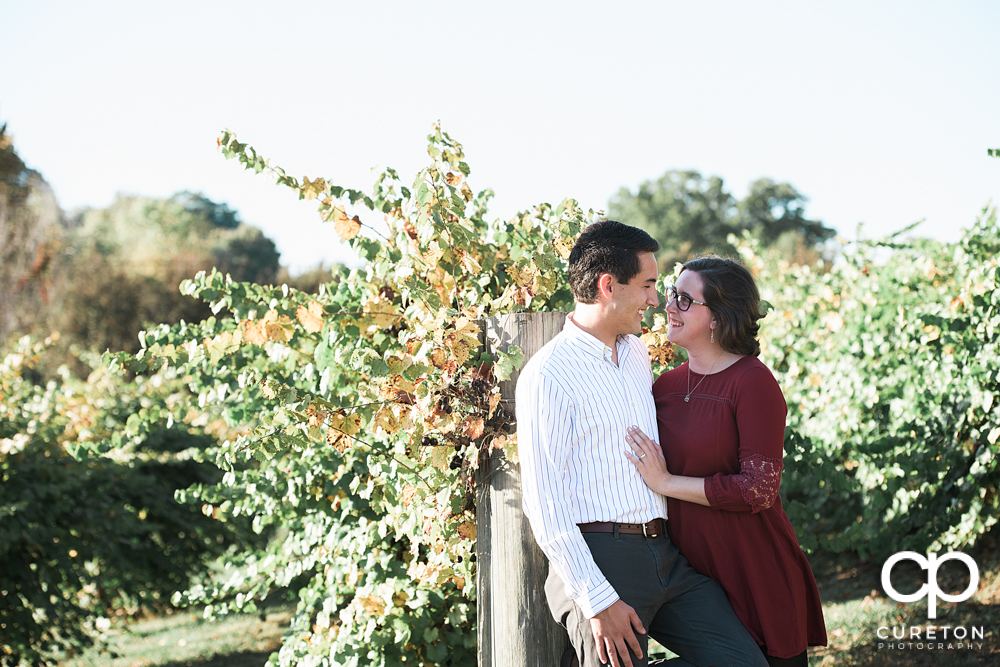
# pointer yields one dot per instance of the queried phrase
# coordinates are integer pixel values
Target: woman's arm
(760, 422)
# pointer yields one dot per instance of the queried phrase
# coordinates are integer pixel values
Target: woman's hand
(648, 459)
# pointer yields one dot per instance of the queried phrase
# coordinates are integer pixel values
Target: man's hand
(613, 631)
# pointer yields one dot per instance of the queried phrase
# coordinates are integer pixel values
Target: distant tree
(220, 215)
(686, 212)
(31, 228)
(772, 210)
(131, 257)
(690, 214)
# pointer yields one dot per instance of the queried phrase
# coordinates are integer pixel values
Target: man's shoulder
(553, 355)
(638, 351)
(636, 342)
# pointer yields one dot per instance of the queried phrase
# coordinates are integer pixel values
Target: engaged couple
(656, 502)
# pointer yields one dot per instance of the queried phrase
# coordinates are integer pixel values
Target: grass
(184, 639)
(854, 607)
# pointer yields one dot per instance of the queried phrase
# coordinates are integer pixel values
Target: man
(613, 571)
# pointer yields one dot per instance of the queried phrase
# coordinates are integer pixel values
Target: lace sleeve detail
(759, 480)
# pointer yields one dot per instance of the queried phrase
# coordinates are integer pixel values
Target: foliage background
(349, 421)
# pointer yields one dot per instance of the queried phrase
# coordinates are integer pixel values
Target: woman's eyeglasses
(683, 300)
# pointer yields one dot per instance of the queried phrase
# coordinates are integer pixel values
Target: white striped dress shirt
(573, 406)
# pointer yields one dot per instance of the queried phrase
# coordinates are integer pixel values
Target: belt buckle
(652, 530)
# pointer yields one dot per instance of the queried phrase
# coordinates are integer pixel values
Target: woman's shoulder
(750, 367)
(755, 382)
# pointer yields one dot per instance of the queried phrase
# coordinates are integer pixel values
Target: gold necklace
(687, 399)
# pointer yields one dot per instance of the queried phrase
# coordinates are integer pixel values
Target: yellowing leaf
(494, 402)
(387, 419)
(338, 440)
(441, 359)
(315, 415)
(346, 228)
(269, 388)
(348, 423)
(473, 428)
(510, 449)
(379, 312)
(462, 341)
(461, 349)
(661, 350)
(467, 327)
(408, 419)
(311, 190)
(311, 317)
(439, 457)
(563, 246)
(470, 264)
(443, 283)
(432, 255)
(406, 498)
(253, 332)
(372, 604)
(280, 330)
(425, 572)
(467, 530)
(453, 179)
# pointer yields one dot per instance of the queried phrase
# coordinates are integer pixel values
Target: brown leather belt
(654, 528)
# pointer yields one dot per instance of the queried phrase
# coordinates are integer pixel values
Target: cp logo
(930, 589)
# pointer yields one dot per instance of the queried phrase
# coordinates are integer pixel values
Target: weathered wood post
(515, 626)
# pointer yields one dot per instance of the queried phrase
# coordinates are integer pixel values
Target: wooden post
(516, 628)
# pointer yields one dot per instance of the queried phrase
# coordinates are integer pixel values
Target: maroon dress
(731, 432)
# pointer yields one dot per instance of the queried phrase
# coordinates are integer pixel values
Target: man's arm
(545, 418)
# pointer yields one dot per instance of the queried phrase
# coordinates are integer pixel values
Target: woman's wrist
(689, 489)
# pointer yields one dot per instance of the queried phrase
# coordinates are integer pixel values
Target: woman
(721, 418)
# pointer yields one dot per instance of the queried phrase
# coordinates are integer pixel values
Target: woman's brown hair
(731, 294)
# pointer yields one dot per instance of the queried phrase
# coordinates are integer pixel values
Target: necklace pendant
(687, 399)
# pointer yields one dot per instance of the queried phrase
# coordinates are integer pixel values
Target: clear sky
(877, 111)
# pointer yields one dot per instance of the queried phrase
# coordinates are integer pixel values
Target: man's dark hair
(606, 247)
(732, 296)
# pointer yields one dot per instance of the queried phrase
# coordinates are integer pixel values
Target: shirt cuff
(595, 601)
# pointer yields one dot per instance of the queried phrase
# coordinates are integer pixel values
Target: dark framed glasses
(683, 300)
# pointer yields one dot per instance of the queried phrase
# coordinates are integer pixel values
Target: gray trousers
(684, 611)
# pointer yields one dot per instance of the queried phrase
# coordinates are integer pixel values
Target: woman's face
(691, 327)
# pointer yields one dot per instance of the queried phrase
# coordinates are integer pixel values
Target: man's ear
(604, 285)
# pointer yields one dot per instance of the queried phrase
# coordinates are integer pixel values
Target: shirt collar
(590, 344)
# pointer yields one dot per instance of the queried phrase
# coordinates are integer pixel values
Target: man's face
(629, 302)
